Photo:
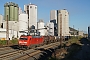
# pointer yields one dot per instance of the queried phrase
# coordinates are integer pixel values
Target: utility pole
(28, 27)
(73, 31)
(78, 33)
(7, 28)
(28, 18)
(60, 30)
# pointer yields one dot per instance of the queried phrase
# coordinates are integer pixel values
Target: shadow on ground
(79, 52)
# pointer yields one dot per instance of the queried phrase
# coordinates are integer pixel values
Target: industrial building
(17, 20)
(63, 22)
(41, 27)
(31, 10)
(14, 25)
(81, 33)
(20, 26)
(20, 10)
(73, 32)
(1, 20)
(50, 28)
(11, 9)
(23, 22)
(53, 16)
(12, 34)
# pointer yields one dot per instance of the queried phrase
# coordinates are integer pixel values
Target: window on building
(27, 7)
(2, 31)
(30, 6)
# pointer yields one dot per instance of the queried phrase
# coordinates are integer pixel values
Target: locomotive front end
(23, 42)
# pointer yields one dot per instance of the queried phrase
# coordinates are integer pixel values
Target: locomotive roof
(36, 36)
(32, 36)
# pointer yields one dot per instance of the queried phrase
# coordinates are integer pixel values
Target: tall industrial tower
(53, 16)
(11, 9)
(31, 10)
(63, 16)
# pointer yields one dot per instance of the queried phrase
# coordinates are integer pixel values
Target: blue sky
(79, 10)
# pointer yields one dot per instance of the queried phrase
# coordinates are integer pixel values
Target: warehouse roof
(72, 29)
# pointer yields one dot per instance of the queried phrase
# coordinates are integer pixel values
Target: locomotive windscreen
(23, 39)
(36, 36)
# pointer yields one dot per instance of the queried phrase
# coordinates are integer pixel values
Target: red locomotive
(27, 41)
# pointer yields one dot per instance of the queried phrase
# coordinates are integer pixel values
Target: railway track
(26, 54)
(11, 55)
(6, 50)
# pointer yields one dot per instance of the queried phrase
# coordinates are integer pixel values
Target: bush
(9, 42)
(3, 42)
(14, 41)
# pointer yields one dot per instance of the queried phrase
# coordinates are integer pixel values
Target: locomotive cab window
(23, 39)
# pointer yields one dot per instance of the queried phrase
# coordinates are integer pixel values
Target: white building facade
(12, 34)
(53, 15)
(81, 33)
(23, 22)
(1, 20)
(13, 25)
(41, 28)
(63, 20)
(20, 10)
(31, 10)
(50, 28)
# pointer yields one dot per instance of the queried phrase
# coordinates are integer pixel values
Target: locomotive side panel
(35, 40)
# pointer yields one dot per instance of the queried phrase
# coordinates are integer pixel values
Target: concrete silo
(63, 22)
(6, 11)
(41, 27)
(16, 9)
(14, 12)
(11, 5)
(11, 9)
(23, 22)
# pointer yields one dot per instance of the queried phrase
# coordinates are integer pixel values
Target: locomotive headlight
(20, 42)
(24, 42)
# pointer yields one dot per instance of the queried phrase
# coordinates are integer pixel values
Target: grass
(74, 44)
(74, 40)
(3, 42)
(14, 41)
(10, 42)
